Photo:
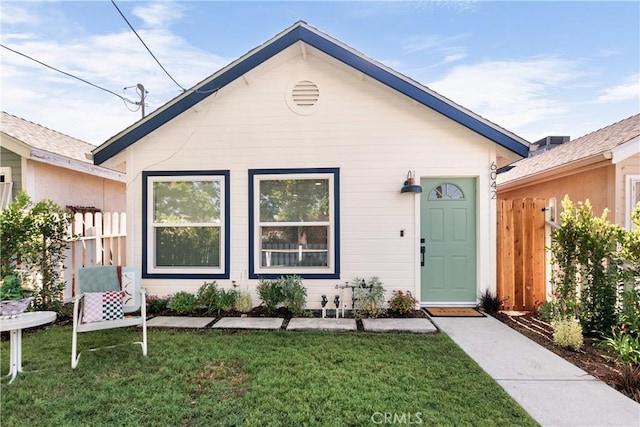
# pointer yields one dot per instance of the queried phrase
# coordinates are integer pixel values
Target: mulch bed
(590, 359)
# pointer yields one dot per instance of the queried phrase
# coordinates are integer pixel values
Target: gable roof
(596, 143)
(45, 145)
(300, 31)
(42, 138)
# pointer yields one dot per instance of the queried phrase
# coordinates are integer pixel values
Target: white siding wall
(372, 133)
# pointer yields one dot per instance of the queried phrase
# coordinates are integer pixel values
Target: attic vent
(303, 97)
(305, 94)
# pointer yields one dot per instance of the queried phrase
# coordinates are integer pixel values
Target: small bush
(627, 380)
(567, 333)
(183, 303)
(368, 298)
(403, 303)
(244, 303)
(287, 290)
(622, 346)
(156, 304)
(546, 310)
(295, 295)
(216, 299)
(489, 302)
(270, 293)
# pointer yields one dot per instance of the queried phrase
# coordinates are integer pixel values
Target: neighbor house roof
(597, 145)
(300, 31)
(45, 145)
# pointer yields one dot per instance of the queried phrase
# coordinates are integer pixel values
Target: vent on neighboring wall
(303, 96)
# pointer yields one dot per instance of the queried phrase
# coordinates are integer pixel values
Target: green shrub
(368, 298)
(545, 311)
(156, 304)
(295, 295)
(244, 303)
(567, 333)
(287, 290)
(622, 346)
(34, 238)
(270, 294)
(183, 303)
(629, 313)
(216, 299)
(402, 303)
(593, 261)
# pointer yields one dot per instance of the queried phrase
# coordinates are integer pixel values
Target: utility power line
(68, 74)
(145, 45)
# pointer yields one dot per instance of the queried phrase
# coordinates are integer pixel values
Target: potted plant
(14, 298)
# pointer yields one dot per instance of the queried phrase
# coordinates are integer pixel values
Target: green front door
(448, 240)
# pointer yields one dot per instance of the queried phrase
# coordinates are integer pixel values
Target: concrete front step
(416, 325)
(249, 323)
(322, 324)
(179, 322)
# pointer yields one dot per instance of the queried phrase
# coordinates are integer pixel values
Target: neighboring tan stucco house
(291, 160)
(602, 166)
(50, 165)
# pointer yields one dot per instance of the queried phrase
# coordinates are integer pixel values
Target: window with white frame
(186, 224)
(294, 222)
(633, 198)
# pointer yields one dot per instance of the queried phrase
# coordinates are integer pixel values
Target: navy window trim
(335, 274)
(226, 225)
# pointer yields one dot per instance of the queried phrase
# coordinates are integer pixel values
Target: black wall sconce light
(409, 185)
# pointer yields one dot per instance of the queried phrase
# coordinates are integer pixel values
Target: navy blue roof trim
(330, 48)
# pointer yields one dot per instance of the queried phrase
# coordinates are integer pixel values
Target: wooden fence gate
(521, 253)
(94, 239)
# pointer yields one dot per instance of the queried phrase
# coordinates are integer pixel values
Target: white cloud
(158, 14)
(111, 61)
(11, 15)
(512, 94)
(627, 90)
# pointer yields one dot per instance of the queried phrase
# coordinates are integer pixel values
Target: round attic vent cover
(303, 97)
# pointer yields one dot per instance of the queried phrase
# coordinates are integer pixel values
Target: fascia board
(558, 171)
(626, 150)
(15, 145)
(53, 159)
(302, 32)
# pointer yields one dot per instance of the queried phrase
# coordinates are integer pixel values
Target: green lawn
(214, 378)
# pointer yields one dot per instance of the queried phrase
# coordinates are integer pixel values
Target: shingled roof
(42, 138)
(592, 144)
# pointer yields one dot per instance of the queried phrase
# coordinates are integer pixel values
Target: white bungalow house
(296, 159)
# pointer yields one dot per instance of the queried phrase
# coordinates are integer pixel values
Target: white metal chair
(105, 279)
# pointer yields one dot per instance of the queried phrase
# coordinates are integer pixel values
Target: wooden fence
(94, 239)
(521, 253)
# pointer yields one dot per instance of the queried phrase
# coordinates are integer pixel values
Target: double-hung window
(186, 224)
(294, 222)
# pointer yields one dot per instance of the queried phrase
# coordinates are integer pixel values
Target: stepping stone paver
(179, 322)
(249, 323)
(322, 324)
(420, 325)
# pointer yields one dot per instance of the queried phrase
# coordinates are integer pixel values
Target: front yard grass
(217, 378)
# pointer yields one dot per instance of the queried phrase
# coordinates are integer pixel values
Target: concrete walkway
(553, 391)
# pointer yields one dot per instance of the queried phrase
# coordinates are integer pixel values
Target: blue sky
(535, 68)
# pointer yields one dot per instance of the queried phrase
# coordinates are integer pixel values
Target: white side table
(15, 327)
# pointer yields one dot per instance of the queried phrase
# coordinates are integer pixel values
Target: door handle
(422, 251)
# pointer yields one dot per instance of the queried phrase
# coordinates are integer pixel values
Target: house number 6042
(492, 178)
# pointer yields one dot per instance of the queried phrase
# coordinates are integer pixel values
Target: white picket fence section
(98, 238)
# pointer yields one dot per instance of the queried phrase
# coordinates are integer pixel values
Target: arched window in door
(446, 191)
